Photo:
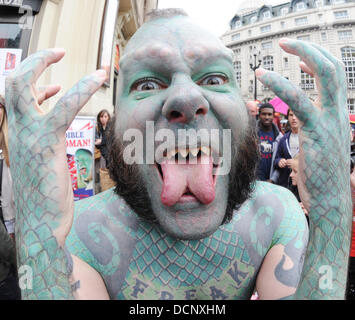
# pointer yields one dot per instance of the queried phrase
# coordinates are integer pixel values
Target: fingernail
(101, 73)
(260, 72)
(58, 50)
(284, 40)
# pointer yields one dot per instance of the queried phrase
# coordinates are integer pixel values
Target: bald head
(165, 36)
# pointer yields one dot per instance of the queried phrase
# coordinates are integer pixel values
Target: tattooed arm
(323, 167)
(42, 187)
(281, 269)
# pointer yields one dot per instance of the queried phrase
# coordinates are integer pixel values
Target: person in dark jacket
(269, 138)
(288, 148)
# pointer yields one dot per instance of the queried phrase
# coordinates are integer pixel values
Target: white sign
(80, 140)
(9, 60)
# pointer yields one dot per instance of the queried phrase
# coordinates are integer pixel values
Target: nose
(185, 104)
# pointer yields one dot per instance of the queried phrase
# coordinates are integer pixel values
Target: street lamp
(253, 58)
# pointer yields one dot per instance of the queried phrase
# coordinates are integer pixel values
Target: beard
(131, 186)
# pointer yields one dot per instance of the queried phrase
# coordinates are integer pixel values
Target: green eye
(213, 80)
(148, 84)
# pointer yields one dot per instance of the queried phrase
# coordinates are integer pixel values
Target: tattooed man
(187, 229)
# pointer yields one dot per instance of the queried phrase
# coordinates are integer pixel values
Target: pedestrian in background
(103, 119)
(269, 138)
(288, 149)
(101, 143)
(294, 182)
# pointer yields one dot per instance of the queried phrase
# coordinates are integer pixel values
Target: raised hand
(324, 165)
(44, 197)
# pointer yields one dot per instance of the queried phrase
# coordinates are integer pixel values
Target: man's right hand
(42, 186)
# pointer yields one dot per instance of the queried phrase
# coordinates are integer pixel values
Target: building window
(286, 62)
(10, 35)
(236, 36)
(268, 63)
(345, 35)
(318, 3)
(300, 6)
(304, 38)
(266, 15)
(238, 72)
(265, 28)
(301, 21)
(253, 19)
(341, 14)
(351, 106)
(266, 45)
(338, 1)
(307, 82)
(284, 11)
(323, 36)
(236, 23)
(348, 57)
(236, 51)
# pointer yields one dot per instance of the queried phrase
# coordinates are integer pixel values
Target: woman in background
(294, 179)
(101, 149)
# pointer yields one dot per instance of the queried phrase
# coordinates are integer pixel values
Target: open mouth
(188, 175)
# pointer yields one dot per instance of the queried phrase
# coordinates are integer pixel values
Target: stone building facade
(93, 33)
(329, 23)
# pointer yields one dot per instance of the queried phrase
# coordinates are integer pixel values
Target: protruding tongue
(178, 178)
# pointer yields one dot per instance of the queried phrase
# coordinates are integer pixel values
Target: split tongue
(178, 178)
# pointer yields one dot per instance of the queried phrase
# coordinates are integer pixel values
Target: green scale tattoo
(139, 261)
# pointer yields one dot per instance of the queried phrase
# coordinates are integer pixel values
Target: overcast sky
(213, 15)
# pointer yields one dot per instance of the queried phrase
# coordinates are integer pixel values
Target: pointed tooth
(206, 150)
(194, 151)
(183, 152)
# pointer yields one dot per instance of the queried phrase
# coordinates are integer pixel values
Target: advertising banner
(9, 60)
(80, 140)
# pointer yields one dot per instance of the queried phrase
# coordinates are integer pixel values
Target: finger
(306, 69)
(72, 102)
(32, 67)
(341, 76)
(324, 70)
(290, 94)
(47, 92)
(315, 60)
(337, 63)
